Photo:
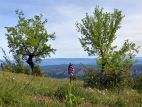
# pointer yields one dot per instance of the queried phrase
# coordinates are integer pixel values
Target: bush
(138, 83)
(120, 103)
(89, 77)
(100, 80)
(37, 71)
(128, 82)
(21, 69)
(61, 92)
(7, 64)
(16, 67)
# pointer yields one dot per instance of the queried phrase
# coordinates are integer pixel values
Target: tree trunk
(103, 65)
(30, 62)
(103, 62)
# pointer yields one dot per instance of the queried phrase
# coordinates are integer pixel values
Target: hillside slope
(21, 90)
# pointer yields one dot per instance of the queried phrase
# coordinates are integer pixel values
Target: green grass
(15, 91)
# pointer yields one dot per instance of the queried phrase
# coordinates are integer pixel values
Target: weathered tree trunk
(30, 62)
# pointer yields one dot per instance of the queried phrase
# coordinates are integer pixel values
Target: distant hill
(58, 67)
(61, 71)
(89, 61)
(59, 61)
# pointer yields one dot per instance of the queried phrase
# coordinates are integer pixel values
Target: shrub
(16, 67)
(19, 65)
(100, 80)
(21, 69)
(37, 71)
(128, 82)
(89, 78)
(120, 103)
(61, 92)
(138, 83)
(7, 64)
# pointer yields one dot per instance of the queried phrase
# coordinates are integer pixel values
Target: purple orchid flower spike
(71, 71)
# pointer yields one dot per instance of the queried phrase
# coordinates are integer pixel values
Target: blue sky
(62, 16)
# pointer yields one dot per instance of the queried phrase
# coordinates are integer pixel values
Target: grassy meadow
(20, 90)
(107, 80)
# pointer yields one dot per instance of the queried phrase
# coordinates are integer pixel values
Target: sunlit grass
(28, 91)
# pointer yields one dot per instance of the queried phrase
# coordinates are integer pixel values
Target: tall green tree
(29, 38)
(99, 32)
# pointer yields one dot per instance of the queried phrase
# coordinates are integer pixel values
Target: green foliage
(89, 77)
(98, 34)
(29, 38)
(128, 82)
(101, 80)
(17, 66)
(99, 31)
(95, 100)
(138, 83)
(120, 61)
(72, 95)
(44, 91)
(61, 92)
(120, 103)
(11, 93)
(7, 64)
(71, 100)
(37, 71)
(11, 97)
(74, 77)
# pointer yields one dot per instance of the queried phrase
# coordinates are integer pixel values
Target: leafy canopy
(29, 37)
(98, 34)
(99, 31)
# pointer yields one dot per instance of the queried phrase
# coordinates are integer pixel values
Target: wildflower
(71, 71)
